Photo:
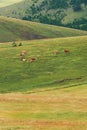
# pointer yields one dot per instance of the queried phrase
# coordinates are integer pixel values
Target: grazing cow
(32, 59)
(56, 52)
(67, 51)
(22, 55)
(24, 52)
(23, 59)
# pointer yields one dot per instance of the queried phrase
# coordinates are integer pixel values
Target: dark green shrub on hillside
(77, 8)
(55, 4)
(85, 2)
(20, 44)
(76, 4)
(78, 24)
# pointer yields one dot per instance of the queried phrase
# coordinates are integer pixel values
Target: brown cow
(24, 52)
(32, 59)
(22, 55)
(67, 51)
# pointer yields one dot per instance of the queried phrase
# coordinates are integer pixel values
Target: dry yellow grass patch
(46, 110)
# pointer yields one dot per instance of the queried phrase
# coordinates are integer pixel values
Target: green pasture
(62, 70)
(48, 94)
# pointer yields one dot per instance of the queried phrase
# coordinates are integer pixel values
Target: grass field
(55, 109)
(48, 70)
(48, 94)
(15, 30)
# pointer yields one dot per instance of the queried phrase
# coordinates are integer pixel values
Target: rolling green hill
(14, 29)
(49, 70)
(49, 93)
(70, 13)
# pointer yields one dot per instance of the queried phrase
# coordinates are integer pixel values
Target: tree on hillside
(58, 4)
(85, 2)
(76, 4)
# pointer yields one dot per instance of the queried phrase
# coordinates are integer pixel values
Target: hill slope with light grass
(14, 29)
(49, 70)
(4, 3)
(56, 109)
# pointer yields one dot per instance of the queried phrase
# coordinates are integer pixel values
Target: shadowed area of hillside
(14, 29)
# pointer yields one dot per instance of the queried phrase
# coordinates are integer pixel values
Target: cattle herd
(33, 59)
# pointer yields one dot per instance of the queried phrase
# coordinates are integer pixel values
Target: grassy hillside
(14, 29)
(71, 13)
(48, 94)
(63, 109)
(63, 70)
(4, 3)
(16, 10)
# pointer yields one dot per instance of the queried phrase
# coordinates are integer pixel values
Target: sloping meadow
(16, 30)
(50, 69)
